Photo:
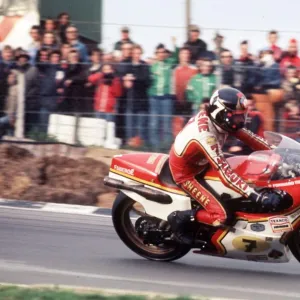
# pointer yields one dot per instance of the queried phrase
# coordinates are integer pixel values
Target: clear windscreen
(281, 141)
(280, 163)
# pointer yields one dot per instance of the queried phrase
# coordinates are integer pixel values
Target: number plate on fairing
(250, 244)
(247, 244)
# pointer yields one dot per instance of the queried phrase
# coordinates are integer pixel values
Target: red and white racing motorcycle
(148, 194)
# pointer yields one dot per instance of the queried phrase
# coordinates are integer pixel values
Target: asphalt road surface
(52, 248)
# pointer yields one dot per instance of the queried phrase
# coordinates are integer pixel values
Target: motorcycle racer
(199, 144)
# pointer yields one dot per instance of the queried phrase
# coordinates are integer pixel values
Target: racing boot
(177, 221)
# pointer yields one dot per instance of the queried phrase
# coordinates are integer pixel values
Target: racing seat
(165, 176)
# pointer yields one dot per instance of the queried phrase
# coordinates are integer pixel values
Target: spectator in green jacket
(161, 99)
(201, 86)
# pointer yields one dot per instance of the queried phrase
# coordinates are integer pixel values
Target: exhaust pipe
(150, 194)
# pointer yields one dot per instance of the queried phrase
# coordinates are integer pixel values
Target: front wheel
(294, 244)
(121, 216)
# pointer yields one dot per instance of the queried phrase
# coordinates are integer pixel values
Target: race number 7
(218, 109)
(249, 245)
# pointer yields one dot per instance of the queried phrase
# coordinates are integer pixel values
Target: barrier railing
(84, 128)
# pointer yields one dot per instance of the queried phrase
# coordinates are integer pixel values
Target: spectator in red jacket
(291, 58)
(181, 76)
(108, 89)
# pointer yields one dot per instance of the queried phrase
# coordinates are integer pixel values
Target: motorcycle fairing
(144, 168)
(245, 242)
(179, 201)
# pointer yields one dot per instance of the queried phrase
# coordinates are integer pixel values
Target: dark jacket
(62, 33)
(137, 95)
(118, 45)
(74, 94)
(268, 77)
(227, 75)
(245, 71)
(49, 85)
(4, 72)
(32, 87)
(197, 48)
(122, 100)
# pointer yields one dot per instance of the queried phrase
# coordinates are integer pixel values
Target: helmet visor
(236, 119)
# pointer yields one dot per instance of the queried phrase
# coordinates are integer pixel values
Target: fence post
(21, 107)
(77, 120)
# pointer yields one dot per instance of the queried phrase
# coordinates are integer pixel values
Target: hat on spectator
(24, 55)
(218, 35)
(125, 29)
(194, 28)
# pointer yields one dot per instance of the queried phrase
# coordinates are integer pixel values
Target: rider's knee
(219, 219)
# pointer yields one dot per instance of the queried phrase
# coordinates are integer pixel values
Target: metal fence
(26, 117)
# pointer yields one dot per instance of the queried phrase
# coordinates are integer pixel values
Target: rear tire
(121, 219)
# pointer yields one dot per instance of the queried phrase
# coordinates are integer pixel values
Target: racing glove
(270, 200)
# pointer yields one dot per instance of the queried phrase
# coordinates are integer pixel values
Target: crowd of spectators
(149, 100)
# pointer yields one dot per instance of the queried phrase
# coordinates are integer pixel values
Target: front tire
(125, 230)
(294, 244)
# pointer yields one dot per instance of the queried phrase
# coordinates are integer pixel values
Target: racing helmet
(227, 109)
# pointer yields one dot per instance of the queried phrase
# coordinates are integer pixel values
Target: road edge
(55, 207)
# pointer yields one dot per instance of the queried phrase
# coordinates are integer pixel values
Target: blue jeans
(136, 124)
(106, 116)
(5, 126)
(44, 119)
(161, 111)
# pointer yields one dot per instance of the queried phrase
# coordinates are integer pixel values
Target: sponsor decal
(280, 224)
(283, 184)
(211, 140)
(216, 149)
(152, 159)
(202, 122)
(288, 183)
(257, 257)
(195, 193)
(257, 227)
(295, 214)
(250, 244)
(124, 170)
(275, 254)
(230, 175)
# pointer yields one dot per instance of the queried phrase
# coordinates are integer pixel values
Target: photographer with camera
(108, 89)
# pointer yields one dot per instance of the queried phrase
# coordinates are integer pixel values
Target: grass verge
(43, 293)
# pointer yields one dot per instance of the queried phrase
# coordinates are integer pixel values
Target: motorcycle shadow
(215, 267)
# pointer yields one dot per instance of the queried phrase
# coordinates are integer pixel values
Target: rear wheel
(129, 233)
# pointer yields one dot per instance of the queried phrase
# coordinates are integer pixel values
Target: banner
(16, 19)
